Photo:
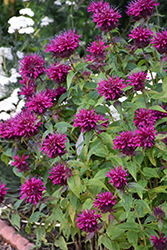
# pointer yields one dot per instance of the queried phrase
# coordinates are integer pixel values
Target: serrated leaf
(150, 172)
(96, 182)
(143, 204)
(132, 237)
(16, 219)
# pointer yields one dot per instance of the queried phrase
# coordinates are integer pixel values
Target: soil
(4, 245)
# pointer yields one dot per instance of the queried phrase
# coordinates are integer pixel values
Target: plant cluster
(101, 178)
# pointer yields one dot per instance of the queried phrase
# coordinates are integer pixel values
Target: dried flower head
(3, 191)
(118, 177)
(88, 221)
(20, 163)
(60, 174)
(141, 9)
(89, 120)
(54, 145)
(159, 243)
(159, 213)
(125, 142)
(58, 72)
(137, 80)
(32, 190)
(64, 45)
(141, 36)
(144, 117)
(145, 137)
(160, 41)
(39, 103)
(105, 201)
(111, 89)
(106, 17)
(32, 66)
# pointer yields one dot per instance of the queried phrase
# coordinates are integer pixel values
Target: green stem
(141, 227)
(108, 110)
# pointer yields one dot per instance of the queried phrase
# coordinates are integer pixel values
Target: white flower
(6, 52)
(4, 116)
(28, 30)
(70, 3)
(20, 54)
(45, 21)
(149, 75)
(20, 105)
(7, 105)
(57, 2)
(14, 75)
(114, 113)
(19, 22)
(4, 80)
(26, 11)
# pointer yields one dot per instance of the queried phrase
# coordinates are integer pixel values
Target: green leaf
(74, 183)
(58, 214)
(78, 164)
(135, 185)
(150, 172)
(5, 159)
(164, 84)
(17, 204)
(132, 237)
(16, 219)
(61, 243)
(127, 202)
(150, 154)
(109, 244)
(143, 204)
(69, 78)
(157, 107)
(160, 189)
(35, 217)
(63, 125)
(49, 127)
(101, 173)
(132, 169)
(100, 151)
(96, 182)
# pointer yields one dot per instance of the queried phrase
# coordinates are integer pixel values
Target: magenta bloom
(58, 72)
(118, 177)
(88, 221)
(89, 120)
(3, 191)
(144, 117)
(160, 41)
(111, 89)
(64, 45)
(141, 36)
(54, 145)
(20, 163)
(32, 66)
(24, 124)
(59, 91)
(125, 142)
(97, 51)
(39, 102)
(60, 174)
(137, 80)
(105, 201)
(158, 114)
(106, 17)
(145, 137)
(159, 243)
(141, 9)
(28, 90)
(32, 190)
(159, 213)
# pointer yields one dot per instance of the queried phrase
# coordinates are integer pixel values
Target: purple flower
(160, 41)
(137, 80)
(24, 124)
(54, 145)
(32, 66)
(118, 177)
(89, 120)
(39, 102)
(88, 221)
(58, 72)
(60, 174)
(59, 91)
(141, 9)
(28, 90)
(159, 243)
(3, 191)
(97, 51)
(141, 36)
(144, 117)
(145, 137)
(105, 201)
(125, 142)
(32, 190)
(64, 45)
(105, 16)
(111, 89)
(20, 163)
(159, 213)
(158, 114)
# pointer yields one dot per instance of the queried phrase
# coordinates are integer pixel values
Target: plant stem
(140, 226)
(108, 110)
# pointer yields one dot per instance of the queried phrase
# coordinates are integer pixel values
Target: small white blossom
(46, 20)
(20, 54)
(114, 113)
(58, 2)
(28, 30)
(70, 3)
(14, 75)
(19, 22)
(4, 80)
(20, 105)
(7, 105)
(26, 11)
(6, 52)
(4, 116)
